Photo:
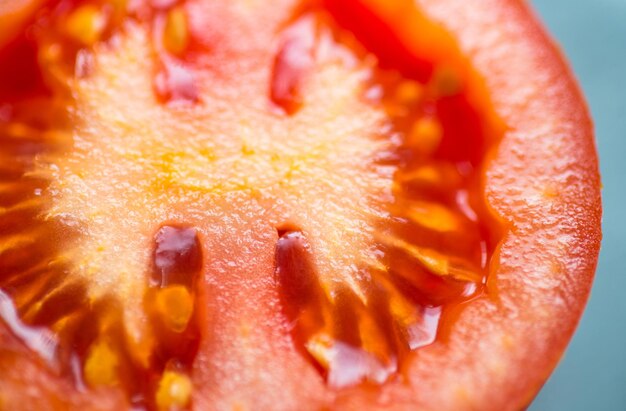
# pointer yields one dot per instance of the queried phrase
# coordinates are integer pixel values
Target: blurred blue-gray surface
(592, 374)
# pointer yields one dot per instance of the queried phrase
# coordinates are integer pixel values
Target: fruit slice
(221, 205)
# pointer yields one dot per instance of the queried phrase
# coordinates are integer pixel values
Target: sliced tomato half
(302, 205)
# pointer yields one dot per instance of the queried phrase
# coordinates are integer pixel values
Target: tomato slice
(357, 204)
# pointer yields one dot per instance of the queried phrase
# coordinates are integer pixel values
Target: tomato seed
(176, 31)
(174, 391)
(101, 366)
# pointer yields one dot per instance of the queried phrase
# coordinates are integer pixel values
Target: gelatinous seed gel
(131, 206)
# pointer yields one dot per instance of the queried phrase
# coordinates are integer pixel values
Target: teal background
(592, 374)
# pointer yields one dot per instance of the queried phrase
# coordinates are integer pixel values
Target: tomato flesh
(186, 207)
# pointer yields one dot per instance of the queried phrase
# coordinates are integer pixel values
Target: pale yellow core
(136, 163)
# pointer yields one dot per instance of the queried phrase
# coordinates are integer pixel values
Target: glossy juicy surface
(193, 219)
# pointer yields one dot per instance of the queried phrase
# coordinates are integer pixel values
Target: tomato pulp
(353, 204)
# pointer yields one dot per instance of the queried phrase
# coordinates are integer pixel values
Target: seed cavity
(294, 60)
(302, 294)
(349, 340)
(175, 82)
(177, 256)
(172, 302)
(328, 331)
